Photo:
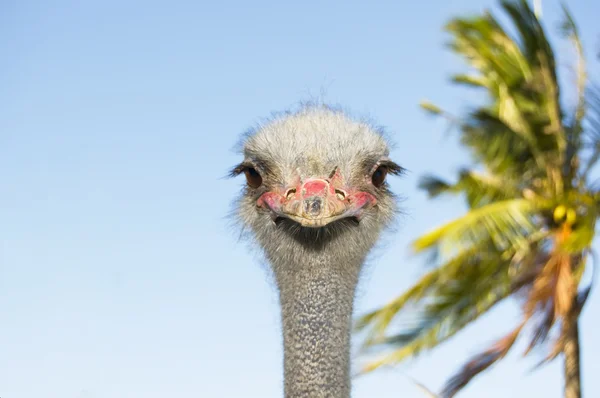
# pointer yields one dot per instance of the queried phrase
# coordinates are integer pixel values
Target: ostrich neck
(316, 304)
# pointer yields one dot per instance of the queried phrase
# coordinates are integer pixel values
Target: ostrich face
(315, 175)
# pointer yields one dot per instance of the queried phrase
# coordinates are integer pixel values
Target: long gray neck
(316, 303)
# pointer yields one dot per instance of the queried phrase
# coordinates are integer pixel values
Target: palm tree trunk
(571, 352)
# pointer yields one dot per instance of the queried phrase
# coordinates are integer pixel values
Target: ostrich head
(316, 200)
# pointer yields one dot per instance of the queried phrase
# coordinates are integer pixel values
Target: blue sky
(120, 275)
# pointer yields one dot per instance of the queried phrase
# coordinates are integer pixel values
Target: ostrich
(316, 200)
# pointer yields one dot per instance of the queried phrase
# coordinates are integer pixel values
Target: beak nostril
(289, 193)
(341, 195)
(313, 206)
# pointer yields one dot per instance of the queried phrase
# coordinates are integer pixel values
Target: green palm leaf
(506, 223)
(452, 302)
(479, 188)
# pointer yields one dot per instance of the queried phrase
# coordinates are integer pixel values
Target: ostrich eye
(253, 179)
(378, 177)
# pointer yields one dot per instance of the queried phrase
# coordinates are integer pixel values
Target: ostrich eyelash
(239, 169)
(393, 168)
(260, 166)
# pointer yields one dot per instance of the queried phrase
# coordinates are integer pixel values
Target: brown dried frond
(481, 362)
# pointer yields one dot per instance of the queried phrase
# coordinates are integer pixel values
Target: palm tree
(532, 208)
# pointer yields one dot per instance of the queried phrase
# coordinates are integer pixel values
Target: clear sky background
(120, 275)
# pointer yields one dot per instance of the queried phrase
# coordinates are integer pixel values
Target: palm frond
(539, 53)
(471, 81)
(468, 287)
(431, 108)
(592, 128)
(507, 73)
(480, 362)
(479, 189)
(490, 51)
(543, 325)
(494, 143)
(506, 222)
(435, 186)
(380, 319)
(583, 294)
(574, 127)
(424, 388)
(520, 77)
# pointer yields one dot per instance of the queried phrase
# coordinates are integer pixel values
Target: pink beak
(316, 202)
